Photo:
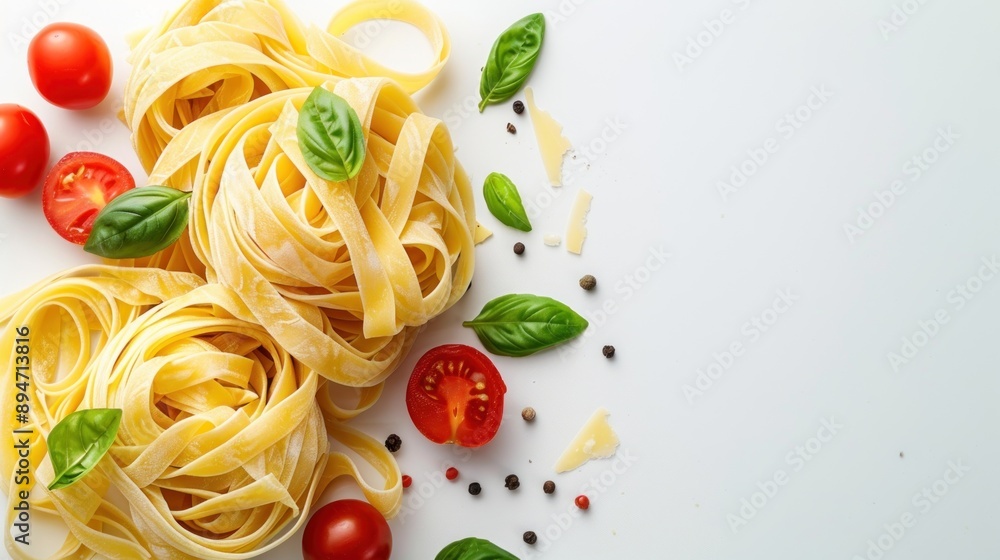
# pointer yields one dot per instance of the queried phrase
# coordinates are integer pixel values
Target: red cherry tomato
(77, 188)
(24, 150)
(70, 65)
(347, 530)
(455, 395)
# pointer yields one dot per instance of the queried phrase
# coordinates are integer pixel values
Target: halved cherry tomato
(70, 65)
(347, 530)
(77, 188)
(455, 395)
(24, 150)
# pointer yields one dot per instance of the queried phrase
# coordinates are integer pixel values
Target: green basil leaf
(522, 324)
(511, 59)
(330, 136)
(504, 201)
(474, 549)
(139, 222)
(79, 441)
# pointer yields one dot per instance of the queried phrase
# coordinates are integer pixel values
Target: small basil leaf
(79, 441)
(474, 549)
(504, 202)
(522, 324)
(330, 136)
(511, 59)
(139, 222)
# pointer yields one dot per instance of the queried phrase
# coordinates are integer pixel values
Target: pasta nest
(223, 445)
(341, 273)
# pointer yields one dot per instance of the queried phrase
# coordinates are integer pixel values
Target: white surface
(655, 186)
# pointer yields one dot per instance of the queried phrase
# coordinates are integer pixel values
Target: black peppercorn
(393, 443)
(530, 537)
(475, 489)
(549, 487)
(518, 107)
(528, 414)
(588, 282)
(511, 482)
(608, 351)
(519, 248)
(511, 129)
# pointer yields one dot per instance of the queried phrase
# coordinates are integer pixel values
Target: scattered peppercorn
(475, 489)
(549, 487)
(608, 351)
(582, 502)
(519, 248)
(451, 473)
(511, 129)
(518, 107)
(511, 482)
(588, 282)
(528, 414)
(407, 481)
(530, 537)
(393, 443)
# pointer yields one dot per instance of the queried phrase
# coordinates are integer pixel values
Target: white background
(694, 461)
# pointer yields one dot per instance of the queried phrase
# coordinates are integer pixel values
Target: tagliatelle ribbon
(211, 55)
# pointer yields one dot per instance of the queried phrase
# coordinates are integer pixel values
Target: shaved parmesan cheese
(482, 233)
(551, 142)
(552, 240)
(576, 231)
(595, 440)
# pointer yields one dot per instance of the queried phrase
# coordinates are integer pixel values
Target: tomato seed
(407, 481)
(451, 473)
(582, 502)
(393, 443)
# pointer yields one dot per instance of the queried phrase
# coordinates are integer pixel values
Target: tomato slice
(77, 188)
(455, 395)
